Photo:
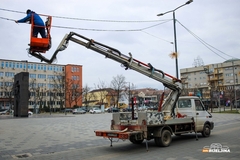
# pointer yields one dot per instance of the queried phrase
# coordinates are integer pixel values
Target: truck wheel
(134, 141)
(164, 140)
(206, 130)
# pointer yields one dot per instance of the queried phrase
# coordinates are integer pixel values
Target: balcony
(216, 78)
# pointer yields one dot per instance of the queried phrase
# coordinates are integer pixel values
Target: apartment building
(50, 85)
(220, 79)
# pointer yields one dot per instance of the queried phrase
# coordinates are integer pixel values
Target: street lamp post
(174, 28)
(234, 86)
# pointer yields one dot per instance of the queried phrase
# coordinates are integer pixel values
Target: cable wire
(85, 19)
(92, 29)
(205, 43)
(7, 19)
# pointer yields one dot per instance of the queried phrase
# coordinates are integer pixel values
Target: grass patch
(234, 111)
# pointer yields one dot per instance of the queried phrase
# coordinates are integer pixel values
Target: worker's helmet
(28, 11)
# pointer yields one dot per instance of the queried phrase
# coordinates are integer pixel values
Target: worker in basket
(39, 26)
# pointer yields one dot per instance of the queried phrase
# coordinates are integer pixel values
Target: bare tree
(102, 90)
(118, 84)
(77, 93)
(112, 97)
(229, 94)
(59, 86)
(129, 89)
(41, 94)
(34, 92)
(88, 96)
(7, 88)
(73, 91)
(69, 92)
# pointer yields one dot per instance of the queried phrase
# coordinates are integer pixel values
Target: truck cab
(192, 106)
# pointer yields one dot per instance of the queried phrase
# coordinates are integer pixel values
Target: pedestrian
(38, 23)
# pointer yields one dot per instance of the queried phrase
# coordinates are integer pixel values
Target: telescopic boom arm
(127, 61)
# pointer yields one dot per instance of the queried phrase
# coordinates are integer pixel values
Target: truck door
(201, 115)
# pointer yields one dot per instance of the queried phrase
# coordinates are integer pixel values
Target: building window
(33, 76)
(24, 66)
(41, 85)
(34, 66)
(6, 64)
(1, 74)
(50, 68)
(31, 66)
(2, 64)
(42, 76)
(75, 69)
(41, 67)
(28, 66)
(229, 74)
(50, 76)
(8, 84)
(9, 74)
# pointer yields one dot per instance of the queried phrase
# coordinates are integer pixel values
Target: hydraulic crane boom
(128, 62)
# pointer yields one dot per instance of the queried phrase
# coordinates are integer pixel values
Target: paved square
(60, 136)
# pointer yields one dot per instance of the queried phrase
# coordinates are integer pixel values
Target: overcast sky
(216, 22)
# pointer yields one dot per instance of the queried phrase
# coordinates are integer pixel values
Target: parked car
(106, 109)
(30, 113)
(12, 111)
(66, 110)
(78, 111)
(110, 110)
(127, 110)
(3, 112)
(85, 108)
(95, 110)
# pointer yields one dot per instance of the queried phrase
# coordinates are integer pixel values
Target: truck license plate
(112, 135)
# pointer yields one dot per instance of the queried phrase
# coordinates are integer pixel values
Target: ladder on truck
(125, 60)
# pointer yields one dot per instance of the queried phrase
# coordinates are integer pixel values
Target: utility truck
(175, 115)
